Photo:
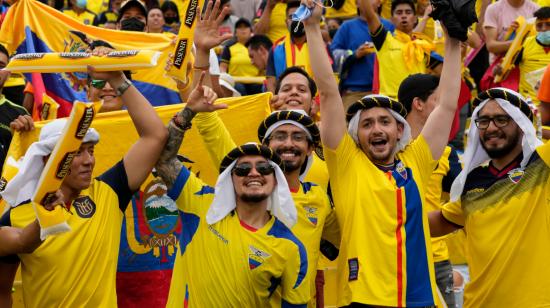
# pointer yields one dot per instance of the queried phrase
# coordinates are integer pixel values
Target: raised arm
(333, 120)
(201, 98)
(262, 26)
(373, 20)
(438, 126)
(141, 157)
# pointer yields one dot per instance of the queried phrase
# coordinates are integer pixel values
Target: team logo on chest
(311, 214)
(256, 257)
(84, 206)
(400, 168)
(515, 175)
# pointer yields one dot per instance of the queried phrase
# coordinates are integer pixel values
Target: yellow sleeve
(452, 211)
(215, 136)
(418, 153)
(339, 159)
(190, 193)
(295, 283)
(331, 229)
(544, 152)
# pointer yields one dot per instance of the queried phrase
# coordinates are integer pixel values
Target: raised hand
(316, 12)
(202, 98)
(207, 35)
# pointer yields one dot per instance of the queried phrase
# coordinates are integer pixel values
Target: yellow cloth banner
(117, 134)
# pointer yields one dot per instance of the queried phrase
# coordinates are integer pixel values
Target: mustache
(294, 151)
(495, 134)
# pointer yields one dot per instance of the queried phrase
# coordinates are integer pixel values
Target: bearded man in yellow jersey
(502, 206)
(419, 95)
(378, 181)
(400, 54)
(79, 267)
(236, 246)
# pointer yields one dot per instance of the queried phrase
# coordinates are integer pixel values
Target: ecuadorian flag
(30, 26)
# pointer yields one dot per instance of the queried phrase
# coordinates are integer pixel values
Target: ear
(417, 104)
(400, 129)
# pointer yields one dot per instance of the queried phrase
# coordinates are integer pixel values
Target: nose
(254, 172)
(87, 158)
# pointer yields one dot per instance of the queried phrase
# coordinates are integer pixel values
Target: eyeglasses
(243, 169)
(500, 121)
(98, 84)
(282, 137)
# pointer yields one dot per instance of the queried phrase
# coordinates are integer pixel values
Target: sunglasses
(243, 169)
(98, 84)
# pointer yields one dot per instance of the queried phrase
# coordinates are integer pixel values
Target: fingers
(58, 200)
(201, 79)
(215, 11)
(22, 123)
(222, 14)
(210, 95)
(220, 106)
(208, 11)
(169, 61)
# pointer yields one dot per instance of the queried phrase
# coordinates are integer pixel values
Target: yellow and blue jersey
(227, 264)
(506, 216)
(77, 268)
(316, 218)
(386, 258)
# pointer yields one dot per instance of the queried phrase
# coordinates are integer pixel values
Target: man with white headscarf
(378, 180)
(236, 246)
(295, 137)
(503, 205)
(78, 268)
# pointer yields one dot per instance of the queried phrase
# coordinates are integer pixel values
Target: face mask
(81, 3)
(297, 29)
(170, 20)
(544, 37)
(132, 24)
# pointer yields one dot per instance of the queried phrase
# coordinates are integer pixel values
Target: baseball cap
(131, 3)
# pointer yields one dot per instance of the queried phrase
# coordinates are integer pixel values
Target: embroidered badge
(515, 175)
(400, 168)
(257, 257)
(311, 214)
(353, 269)
(84, 207)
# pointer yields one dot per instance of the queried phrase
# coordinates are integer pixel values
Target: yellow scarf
(415, 50)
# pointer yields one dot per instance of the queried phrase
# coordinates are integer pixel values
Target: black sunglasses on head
(243, 169)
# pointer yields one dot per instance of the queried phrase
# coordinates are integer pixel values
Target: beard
(505, 149)
(291, 165)
(253, 198)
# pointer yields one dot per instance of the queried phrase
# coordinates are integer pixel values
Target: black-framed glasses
(499, 120)
(243, 169)
(98, 84)
(282, 136)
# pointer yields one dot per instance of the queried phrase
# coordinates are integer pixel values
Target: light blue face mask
(544, 38)
(304, 12)
(81, 3)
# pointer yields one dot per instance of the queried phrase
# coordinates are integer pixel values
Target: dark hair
(259, 40)
(4, 51)
(170, 6)
(395, 3)
(542, 13)
(296, 69)
(292, 4)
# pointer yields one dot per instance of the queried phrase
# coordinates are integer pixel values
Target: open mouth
(379, 144)
(293, 102)
(254, 183)
(289, 154)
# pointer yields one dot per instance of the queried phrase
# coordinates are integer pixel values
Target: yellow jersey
(347, 11)
(229, 264)
(86, 17)
(78, 268)
(386, 258)
(506, 216)
(533, 57)
(238, 61)
(392, 67)
(316, 219)
(437, 193)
